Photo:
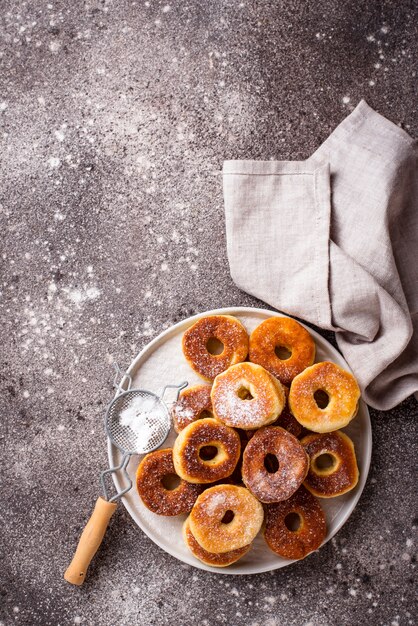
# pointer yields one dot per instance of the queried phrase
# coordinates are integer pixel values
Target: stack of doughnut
(258, 443)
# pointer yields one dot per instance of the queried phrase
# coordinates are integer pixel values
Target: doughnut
(324, 385)
(194, 403)
(198, 339)
(302, 508)
(211, 558)
(225, 518)
(282, 334)
(247, 396)
(340, 473)
(206, 451)
(158, 498)
(274, 464)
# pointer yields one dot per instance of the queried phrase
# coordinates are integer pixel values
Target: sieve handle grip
(90, 540)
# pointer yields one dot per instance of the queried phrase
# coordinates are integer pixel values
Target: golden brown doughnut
(206, 451)
(223, 328)
(295, 544)
(340, 473)
(194, 403)
(218, 531)
(340, 400)
(277, 333)
(274, 464)
(211, 558)
(247, 396)
(152, 470)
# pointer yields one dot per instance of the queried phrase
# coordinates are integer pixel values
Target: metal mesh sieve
(137, 422)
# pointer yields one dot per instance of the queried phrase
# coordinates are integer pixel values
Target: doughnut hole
(228, 517)
(244, 393)
(207, 453)
(271, 463)
(212, 453)
(321, 398)
(214, 346)
(170, 482)
(293, 521)
(283, 352)
(325, 463)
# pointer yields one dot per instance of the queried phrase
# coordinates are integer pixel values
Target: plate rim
(111, 449)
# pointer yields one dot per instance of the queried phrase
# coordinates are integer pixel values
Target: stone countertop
(116, 117)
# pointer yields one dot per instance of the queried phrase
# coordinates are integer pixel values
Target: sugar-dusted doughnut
(222, 559)
(156, 468)
(247, 396)
(227, 331)
(295, 527)
(193, 403)
(324, 397)
(277, 335)
(333, 465)
(206, 451)
(274, 464)
(225, 518)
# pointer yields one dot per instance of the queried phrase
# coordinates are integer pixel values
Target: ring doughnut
(247, 396)
(206, 451)
(328, 385)
(194, 403)
(274, 464)
(298, 543)
(286, 335)
(212, 526)
(211, 558)
(197, 344)
(152, 470)
(340, 474)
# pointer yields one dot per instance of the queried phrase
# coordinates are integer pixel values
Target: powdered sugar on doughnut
(227, 330)
(267, 397)
(292, 465)
(216, 501)
(184, 413)
(208, 512)
(191, 406)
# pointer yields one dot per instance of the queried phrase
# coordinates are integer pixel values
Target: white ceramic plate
(161, 362)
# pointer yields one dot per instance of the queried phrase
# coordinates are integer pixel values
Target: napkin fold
(334, 240)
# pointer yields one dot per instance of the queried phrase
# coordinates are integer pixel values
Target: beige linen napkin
(334, 240)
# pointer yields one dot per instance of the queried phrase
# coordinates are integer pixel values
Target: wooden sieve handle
(90, 540)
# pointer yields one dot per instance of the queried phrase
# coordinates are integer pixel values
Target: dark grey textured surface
(116, 117)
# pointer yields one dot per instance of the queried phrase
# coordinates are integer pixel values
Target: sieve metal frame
(126, 454)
